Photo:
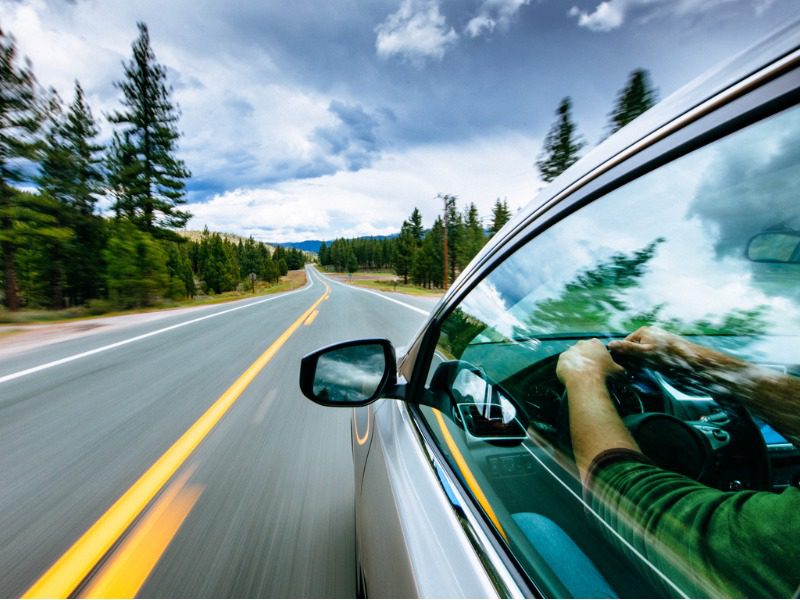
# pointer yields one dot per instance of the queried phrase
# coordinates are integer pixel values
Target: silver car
(605, 403)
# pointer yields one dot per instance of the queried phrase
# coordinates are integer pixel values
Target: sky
(328, 118)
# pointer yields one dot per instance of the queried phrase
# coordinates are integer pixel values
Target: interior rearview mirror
(352, 373)
(775, 247)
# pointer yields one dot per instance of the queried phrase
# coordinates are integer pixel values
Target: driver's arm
(595, 426)
(773, 396)
(702, 540)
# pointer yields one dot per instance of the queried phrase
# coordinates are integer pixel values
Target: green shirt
(706, 541)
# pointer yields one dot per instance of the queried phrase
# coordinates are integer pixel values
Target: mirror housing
(780, 246)
(351, 374)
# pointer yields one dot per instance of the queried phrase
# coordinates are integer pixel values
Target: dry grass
(385, 282)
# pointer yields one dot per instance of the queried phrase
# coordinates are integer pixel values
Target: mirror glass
(351, 374)
(778, 246)
(485, 410)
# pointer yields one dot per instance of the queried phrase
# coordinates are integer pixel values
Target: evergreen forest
(417, 255)
(59, 248)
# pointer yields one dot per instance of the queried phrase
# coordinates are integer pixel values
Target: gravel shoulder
(18, 339)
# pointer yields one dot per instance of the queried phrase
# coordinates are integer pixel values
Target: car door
(674, 242)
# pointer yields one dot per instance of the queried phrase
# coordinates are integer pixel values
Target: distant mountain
(306, 246)
(313, 245)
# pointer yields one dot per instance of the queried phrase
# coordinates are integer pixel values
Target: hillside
(195, 236)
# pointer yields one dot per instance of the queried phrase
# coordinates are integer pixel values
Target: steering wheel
(724, 450)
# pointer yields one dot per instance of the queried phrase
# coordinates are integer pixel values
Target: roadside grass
(385, 282)
(291, 281)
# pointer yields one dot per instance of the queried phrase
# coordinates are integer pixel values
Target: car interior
(515, 436)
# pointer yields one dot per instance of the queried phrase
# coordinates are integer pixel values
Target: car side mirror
(775, 247)
(353, 373)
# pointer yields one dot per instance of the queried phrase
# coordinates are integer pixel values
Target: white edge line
(67, 359)
(608, 526)
(360, 289)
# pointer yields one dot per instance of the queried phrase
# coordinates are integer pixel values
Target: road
(177, 458)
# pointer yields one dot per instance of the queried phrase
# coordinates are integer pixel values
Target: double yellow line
(70, 571)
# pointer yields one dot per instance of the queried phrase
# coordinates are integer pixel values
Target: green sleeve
(705, 541)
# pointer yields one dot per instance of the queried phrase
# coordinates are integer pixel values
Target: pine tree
(179, 271)
(121, 168)
(217, 266)
(71, 173)
(146, 176)
(500, 216)
(562, 144)
(56, 215)
(455, 237)
(415, 223)
(137, 271)
(295, 259)
(429, 270)
(271, 273)
(636, 97)
(405, 252)
(80, 132)
(474, 239)
(19, 124)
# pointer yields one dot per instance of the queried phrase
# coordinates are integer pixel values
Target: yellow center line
(466, 472)
(67, 573)
(311, 318)
(130, 565)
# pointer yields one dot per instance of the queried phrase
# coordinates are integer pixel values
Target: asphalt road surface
(177, 458)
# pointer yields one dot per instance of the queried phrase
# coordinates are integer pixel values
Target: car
(683, 227)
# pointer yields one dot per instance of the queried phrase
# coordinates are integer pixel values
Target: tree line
(57, 249)
(418, 255)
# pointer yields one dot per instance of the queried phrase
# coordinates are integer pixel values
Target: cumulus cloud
(611, 14)
(352, 139)
(607, 16)
(416, 32)
(375, 200)
(494, 14)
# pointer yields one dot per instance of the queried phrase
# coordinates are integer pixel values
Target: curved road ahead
(177, 458)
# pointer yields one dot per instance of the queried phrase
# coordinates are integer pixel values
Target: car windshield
(701, 251)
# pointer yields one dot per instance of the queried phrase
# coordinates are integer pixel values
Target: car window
(702, 250)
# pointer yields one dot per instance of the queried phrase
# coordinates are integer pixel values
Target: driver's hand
(655, 346)
(588, 359)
